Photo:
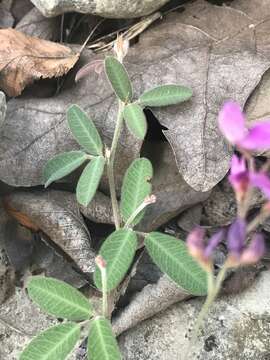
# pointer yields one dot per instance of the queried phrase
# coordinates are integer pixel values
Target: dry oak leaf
(24, 59)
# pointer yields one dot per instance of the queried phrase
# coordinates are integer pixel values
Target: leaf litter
(204, 51)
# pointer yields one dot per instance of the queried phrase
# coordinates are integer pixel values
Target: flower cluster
(243, 177)
(238, 252)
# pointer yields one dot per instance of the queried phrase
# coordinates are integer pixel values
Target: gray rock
(3, 108)
(237, 328)
(106, 8)
(20, 320)
(220, 208)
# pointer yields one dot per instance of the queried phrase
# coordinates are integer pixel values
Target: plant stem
(104, 292)
(110, 167)
(213, 291)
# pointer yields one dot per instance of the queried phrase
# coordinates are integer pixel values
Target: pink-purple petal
(238, 165)
(195, 242)
(239, 175)
(258, 137)
(236, 237)
(213, 242)
(232, 122)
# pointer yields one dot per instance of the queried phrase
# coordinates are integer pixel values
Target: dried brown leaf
(172, 192)
(23, 219)
(57, 215)
(24, 59)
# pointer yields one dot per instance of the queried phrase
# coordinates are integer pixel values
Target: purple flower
(213, 242)
(195, 242)
(254, 252)
(241, 179)
(236, 238)
(239, 176)
(232, 125)
(201, 251)
(239, 253)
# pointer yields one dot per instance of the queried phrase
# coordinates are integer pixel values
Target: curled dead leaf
(57, 216)
(24, 59)
(23, 219)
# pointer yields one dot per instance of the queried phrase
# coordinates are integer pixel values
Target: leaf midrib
(60, 343)
(121, 84)
(96, 166)
(124, 241)
(138, 183)
(65, 300)
(159, 246)
(95, 146)
(68, 165)
(103, 342)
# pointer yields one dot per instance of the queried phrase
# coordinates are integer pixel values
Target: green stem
(110, 167)
(104, 292)
(214, 288)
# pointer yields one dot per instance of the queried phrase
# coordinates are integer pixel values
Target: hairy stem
(110, 167)
(104, 292)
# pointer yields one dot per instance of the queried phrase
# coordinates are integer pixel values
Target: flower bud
(121, 47)
(151, 199)
(101, 263)
(239, 177)
(195, 243)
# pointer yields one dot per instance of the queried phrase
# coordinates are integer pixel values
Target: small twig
(129, 34)
(62, 28)
(91, 34)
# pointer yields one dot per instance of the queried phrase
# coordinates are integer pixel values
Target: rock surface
(3, 108)
(106, 8)
(20, 320)
(237, 329)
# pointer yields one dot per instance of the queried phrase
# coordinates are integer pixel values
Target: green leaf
(118, 251)
(84, 130)
(62, 165)
(54, 343)
(118, 78)
(165, 95)
(102, 344)
(89, 180)
(136, 187)
(172, 256)
(59, 299)
(135, 120)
